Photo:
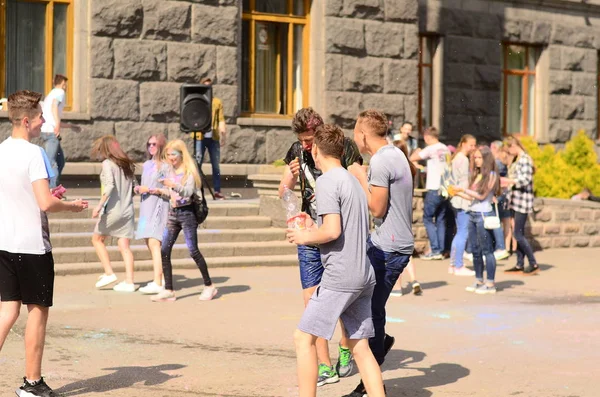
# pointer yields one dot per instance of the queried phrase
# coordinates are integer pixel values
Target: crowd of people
(347, 270)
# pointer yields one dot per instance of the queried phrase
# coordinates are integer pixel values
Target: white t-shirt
(21, 164)
(56, 94)
(436, 158)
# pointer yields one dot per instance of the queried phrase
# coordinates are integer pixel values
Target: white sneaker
(396, 293)
(463, 271)
(151, 288)
(208, 293)
(164, 296)
(468, 256)
(501, 254)
(124, 287)
(105, 280)
(416, 288)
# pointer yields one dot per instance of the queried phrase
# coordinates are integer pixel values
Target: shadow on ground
(508, 284)
(122, 378)
(436, 375)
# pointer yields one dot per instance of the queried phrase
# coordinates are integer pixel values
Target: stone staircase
(233, 235)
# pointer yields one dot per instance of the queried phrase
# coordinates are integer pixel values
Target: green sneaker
(327, 375)
(345, 363)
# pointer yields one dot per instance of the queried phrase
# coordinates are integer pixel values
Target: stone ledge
(87, 169)
(73, 116)
(542, 202)
(264, 122)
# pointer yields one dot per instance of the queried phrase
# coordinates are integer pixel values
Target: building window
(274, 56)
(427, 48)
(36, 41)
(518, 89)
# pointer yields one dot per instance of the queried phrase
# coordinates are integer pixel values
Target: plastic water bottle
(292, 207)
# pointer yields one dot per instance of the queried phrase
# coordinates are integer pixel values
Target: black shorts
(27, 278)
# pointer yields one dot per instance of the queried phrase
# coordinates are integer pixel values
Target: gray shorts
(326, 307)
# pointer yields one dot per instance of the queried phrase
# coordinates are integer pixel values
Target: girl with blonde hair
(181, 183)
(154, 208)
(115, 210)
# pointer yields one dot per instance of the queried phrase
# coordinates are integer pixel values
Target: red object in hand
(59, 191)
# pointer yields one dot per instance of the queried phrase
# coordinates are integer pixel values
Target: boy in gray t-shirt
(348, 280)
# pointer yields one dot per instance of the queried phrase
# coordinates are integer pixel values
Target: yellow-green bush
(564, 173)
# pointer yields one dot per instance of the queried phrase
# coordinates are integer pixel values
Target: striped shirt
(521, 194)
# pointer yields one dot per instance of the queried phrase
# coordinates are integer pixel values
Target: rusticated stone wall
(371, 59)
(555, 223)
(473, 31)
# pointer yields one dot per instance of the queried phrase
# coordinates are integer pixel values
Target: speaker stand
(202, 176)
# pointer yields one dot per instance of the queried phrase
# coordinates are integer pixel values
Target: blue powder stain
(394, 320)
(489, 316)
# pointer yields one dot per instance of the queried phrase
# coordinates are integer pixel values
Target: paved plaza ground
(538, 336)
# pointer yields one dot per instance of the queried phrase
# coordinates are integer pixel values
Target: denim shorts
(503, 210)
(311, 267)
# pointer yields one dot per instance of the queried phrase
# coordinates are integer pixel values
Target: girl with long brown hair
(115, 210)
(484, 185)
(154, 208)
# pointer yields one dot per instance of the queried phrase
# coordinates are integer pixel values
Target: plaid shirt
(521, 194)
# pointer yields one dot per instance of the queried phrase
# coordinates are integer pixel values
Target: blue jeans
(459, 242)
(481, 244)
(55, 155)
(214, 152)
(499, 243)
(435, 207)
(523, 247)
(311, 267)
(387, 267)
(182, 218)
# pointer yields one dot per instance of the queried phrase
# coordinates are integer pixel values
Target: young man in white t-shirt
(435, 205)
(53, 106)
(26, 263)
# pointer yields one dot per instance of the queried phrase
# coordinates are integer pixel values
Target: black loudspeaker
(195, 107)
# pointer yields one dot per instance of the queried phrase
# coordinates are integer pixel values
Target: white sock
(33, 382)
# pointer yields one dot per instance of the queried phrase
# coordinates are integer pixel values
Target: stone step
(83, 239)
(180, 251)
(212, 222)
(225, 209)
(62, 269)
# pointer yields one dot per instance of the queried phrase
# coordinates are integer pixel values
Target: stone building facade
(130, 58)
(473, 35)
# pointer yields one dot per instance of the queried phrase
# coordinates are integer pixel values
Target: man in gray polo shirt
(389, 190)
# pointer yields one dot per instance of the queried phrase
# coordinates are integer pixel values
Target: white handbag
(492, 222)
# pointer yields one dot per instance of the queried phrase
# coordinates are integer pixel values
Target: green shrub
(564, 173)
(278, 163)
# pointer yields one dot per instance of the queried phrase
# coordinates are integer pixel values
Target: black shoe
(388, 342)
(37, 389)
(515, 269)
(531, 270)
(359, 391)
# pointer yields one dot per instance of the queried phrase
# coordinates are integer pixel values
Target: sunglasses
(149, 144)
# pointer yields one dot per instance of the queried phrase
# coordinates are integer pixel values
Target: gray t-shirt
(344, 259)
(389, 168)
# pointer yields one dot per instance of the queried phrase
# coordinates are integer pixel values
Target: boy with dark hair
(26, 264)
(388, 187)
(347, 284)
(53, 106)
(435, 205)
(302, 166)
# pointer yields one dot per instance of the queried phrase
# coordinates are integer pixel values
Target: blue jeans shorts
(311, 267)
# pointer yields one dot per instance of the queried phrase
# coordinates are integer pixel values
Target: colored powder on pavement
(394, 320)
(488, 316)
(443, 316)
